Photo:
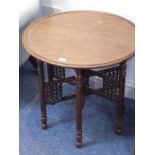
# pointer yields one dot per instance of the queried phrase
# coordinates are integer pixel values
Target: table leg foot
(44, 124)
(119, 126)
(79, 139)
(79, 145)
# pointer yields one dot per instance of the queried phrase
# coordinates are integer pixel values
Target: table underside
(57, 78)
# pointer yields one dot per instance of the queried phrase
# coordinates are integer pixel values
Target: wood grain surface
(80, 39)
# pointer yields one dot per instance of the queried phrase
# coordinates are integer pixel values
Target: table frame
(56, 76)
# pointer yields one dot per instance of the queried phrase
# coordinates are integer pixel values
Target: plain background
(145, 78)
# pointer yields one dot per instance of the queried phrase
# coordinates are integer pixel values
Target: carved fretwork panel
(109, 89)
(58, 72)
(53, 92)
(110, 78)
(85, 78)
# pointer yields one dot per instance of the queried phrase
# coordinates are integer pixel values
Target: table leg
(79, 105)
(33, 62)
(42, 93)
(120, 110)
(85, 84)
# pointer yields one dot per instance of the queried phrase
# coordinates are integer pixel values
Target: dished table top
(80, 39)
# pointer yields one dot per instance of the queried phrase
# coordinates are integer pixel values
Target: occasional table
(84, 41)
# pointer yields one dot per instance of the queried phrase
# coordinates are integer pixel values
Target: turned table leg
(42, 93)
(85, 84)
(79, 105)
(120, 110)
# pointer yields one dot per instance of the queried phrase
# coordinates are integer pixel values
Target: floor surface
(99, 117)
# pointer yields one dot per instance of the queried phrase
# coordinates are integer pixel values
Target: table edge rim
(30, 51)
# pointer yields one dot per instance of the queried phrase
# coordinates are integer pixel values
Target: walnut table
(83, 41)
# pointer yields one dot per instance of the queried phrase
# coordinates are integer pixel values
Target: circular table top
(80, 39)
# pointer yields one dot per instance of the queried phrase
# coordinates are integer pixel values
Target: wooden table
(82, 40)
